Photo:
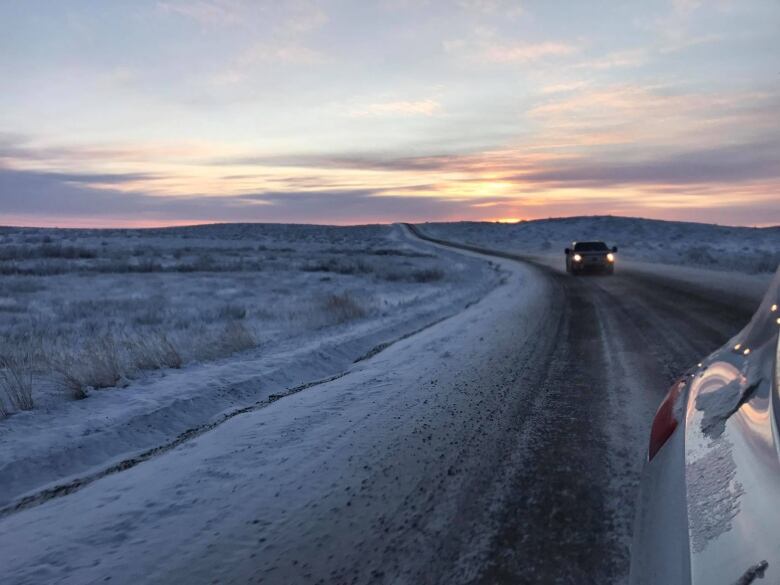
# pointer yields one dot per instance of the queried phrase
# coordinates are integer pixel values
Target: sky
(170, 112)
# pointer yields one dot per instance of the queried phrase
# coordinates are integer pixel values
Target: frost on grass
(16, 380)
(97, 365)
(343, 307)
(236, 337)
(153, 351)
(105, 306)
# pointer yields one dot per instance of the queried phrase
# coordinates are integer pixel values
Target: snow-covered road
(500, 445)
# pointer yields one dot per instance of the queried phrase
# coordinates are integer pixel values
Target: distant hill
(752, 250)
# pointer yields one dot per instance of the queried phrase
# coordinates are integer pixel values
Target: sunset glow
(173, 112)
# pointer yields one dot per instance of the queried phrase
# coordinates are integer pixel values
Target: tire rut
(557, 527)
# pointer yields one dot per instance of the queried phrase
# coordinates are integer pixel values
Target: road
(502, 445)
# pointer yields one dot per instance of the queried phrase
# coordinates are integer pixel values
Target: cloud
(281, 53)
(646, 117)
(291, 16)
(668, 188)
(485, 45)
(18, 149)
(206, 12)
(680, 43)
(57, 196)
(426, 107)
(511, 9)
(284, 28)
(627, 58)
(675, 29)
(363, 161)
(494, 161)
(305, 16)
(526, 52)
(284, 52)
(715, 166)
(566, 87)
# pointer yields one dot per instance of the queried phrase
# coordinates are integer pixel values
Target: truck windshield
(590, 247)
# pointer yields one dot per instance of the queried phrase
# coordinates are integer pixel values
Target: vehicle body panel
(662, 507)
(729, 480)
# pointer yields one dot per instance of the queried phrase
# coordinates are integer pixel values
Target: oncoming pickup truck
(590, 257)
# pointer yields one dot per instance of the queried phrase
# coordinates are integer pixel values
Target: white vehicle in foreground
(709, 506)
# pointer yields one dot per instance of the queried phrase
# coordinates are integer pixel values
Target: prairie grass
(235, 337)
(153, 351)
(344, 307)
(16, 380)
(93, 309)
(96, 366)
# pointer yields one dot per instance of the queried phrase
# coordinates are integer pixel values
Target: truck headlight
(610, 257)
(577, 258)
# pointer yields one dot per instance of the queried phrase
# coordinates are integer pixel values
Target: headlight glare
(577, 257)
(610, 257)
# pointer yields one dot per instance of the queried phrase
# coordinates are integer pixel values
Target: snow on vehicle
(707, 512)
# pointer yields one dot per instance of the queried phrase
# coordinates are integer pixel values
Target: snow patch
(719, 404)
(713, 495)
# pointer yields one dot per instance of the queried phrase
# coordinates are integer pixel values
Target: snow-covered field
(405, 468)
(116, 341)
(714, 247)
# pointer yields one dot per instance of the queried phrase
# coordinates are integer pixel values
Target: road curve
(501, 445)
(622, 340)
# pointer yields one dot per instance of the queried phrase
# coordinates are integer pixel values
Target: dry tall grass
(97, 366)
(107, 305)
(344, 307)
(16, 380)
(236, 337)
(153, 351)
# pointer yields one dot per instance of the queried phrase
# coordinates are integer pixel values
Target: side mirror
(614, 249)
(566, 251)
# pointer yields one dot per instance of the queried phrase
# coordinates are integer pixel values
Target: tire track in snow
(569, 517)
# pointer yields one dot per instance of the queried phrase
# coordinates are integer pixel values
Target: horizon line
(147, 225)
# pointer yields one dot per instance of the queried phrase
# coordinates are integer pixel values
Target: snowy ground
(501, 444)
(738, 249)
(161, 331)
(291, 483)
